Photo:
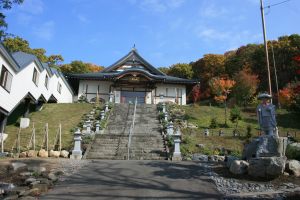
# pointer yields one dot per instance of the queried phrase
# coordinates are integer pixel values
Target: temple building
(129, 78)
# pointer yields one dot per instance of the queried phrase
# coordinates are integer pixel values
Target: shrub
(249, 132)
(213, 123)
(292, 152)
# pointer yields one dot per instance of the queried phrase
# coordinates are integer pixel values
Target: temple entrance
(129, 97)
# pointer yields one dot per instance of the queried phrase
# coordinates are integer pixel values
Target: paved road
(137, 180)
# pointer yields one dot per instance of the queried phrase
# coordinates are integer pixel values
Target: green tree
(76, 66)
(6, 5)
(181, 70)
(14, 44)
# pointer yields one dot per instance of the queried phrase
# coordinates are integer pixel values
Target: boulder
(200, 157)
(265, 146)
(239, 167)
(23, 154)
(266, 167)
(31, 153)
(43, 153)
(293, 167)
(15, 166)
(201, 146)
(41, 186)
(219, 158)
(64, 154)
(54, 154)
(229, 160)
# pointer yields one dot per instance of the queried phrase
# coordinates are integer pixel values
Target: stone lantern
(111, 97)
(177, 141)
(77, 153)
(102, 114)
(106, 107)
(97, 127)
(170, 128)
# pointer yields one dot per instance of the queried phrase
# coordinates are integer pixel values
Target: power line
(276, 4)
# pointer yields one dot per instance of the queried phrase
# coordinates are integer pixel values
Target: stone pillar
(97, 127)
(77, 153)
(206, 132)
(111, 97)
(170, 128)
(177, 141)
(166, 116)
(164, 107)
(102, 114)
(106, 107)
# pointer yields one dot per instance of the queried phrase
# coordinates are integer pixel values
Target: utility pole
(266, 44)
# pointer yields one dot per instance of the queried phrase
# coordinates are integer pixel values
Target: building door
(129, 96)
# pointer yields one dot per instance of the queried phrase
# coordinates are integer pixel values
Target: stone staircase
(146, 143)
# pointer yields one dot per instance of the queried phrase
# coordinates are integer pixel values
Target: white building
(24, 79)
(129, 78)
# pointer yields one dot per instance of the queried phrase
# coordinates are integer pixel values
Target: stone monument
(266, 154)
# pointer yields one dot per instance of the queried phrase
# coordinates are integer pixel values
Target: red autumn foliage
(196, 93)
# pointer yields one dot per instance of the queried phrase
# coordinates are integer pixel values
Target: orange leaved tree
(220, 88)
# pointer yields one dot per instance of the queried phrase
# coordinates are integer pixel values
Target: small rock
(26, 174)
(31, 153)
(286, 174)
(293, 167)
(29, 181)
(31, 192)
(54, 154)
(43, 153)
(23, 154)
(64, 154)
(41, 186)
(11, 197)
(18, 166)
(52, 177)
(38, 169)
(239, 167)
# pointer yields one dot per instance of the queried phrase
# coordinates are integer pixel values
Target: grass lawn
(202, 115)
(69, 115)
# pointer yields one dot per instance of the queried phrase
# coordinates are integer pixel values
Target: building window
(46, 81)
(59, 87)
(35, 76)
(6, 79)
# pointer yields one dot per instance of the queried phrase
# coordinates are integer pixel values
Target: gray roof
(115, 75)
(24, 59)
(15, 66)
(133, 58)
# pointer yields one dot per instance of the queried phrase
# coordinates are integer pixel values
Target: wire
(276, 4)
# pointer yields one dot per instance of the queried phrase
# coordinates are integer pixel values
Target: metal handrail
(131, 130)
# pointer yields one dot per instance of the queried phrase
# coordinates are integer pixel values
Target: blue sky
(165, 31)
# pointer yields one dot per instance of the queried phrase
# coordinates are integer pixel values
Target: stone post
(164, 107)
(170, 128)
(206, 132)
(77, 153)
(97, 127)
(166, 116)
(106, 107)
(111, 97)
(88, 128)
(177, 141)
(102, 114)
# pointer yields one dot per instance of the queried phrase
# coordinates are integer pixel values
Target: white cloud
(34, 7)
(212, 11)
(157, 6)
(83, 19)
(228, 39)
(24, 19)
(45, 31)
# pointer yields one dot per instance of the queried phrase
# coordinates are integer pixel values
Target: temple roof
(132, 63)
(132, 59)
